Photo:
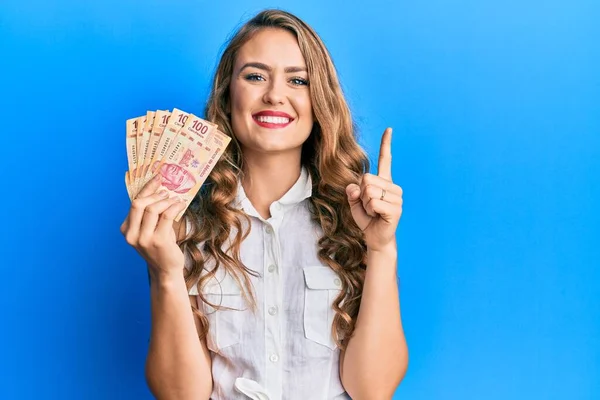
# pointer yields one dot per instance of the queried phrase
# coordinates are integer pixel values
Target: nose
(275, 93)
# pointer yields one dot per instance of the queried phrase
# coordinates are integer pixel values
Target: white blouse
(286, 349)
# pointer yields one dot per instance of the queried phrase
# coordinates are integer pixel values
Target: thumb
(353, 193)
(359, 214)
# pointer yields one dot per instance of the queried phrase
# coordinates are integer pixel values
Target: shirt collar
(300, 191)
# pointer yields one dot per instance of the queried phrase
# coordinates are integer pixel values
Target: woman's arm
(178, 365)
(376, 358)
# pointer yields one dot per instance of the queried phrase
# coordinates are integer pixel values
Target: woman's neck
(268, 177)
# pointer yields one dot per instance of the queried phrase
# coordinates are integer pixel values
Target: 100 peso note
(180, 146)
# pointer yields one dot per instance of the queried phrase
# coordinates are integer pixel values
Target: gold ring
(382, 194)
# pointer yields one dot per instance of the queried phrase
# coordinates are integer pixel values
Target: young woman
(280, 281)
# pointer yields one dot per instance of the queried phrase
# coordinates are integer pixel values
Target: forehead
(271, 46)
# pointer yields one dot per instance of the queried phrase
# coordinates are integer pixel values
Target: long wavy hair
(332, 156)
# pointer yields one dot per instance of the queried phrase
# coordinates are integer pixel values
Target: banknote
(182, 167)
(175, 122)
(213, 149)
(161, 119)
(131, 126)
(143, 150)
(182, 147)
(140, 123)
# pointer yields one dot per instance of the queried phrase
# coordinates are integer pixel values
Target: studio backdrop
(495, 107)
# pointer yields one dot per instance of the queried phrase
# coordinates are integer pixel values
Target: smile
(272, 119)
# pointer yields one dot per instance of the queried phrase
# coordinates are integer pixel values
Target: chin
(271, 143)
(265, 146)
(275, 149)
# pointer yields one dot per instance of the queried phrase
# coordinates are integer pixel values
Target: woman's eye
(254, 77)
(299, 81)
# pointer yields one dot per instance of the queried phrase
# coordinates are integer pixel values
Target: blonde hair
(331, 155)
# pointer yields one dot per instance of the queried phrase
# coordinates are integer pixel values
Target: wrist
(389, 250)
(165, 277)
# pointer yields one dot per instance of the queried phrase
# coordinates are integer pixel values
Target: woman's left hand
(376, 203)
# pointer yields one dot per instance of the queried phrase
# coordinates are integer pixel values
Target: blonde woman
(280, 282)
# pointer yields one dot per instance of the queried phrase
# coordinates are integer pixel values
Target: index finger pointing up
(384, 169)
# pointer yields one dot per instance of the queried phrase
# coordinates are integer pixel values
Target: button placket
(272, 287)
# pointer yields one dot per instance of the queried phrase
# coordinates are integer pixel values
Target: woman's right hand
(149, 229)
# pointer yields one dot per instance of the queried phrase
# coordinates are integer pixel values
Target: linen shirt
(284, 351)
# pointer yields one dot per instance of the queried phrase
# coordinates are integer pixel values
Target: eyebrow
(265, 67)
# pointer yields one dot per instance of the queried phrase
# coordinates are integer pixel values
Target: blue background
(496, 115)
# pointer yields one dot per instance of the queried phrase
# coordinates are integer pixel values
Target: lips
(272, 119)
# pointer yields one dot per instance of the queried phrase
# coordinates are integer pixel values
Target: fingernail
(163, 193)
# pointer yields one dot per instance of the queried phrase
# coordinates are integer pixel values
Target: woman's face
(271, 111)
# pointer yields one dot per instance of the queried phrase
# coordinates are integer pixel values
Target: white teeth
(273, 120)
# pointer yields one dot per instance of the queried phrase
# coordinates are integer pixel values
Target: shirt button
(268, 229)
(272, 268)
(272, 310)
(337, 282)
(274, 358)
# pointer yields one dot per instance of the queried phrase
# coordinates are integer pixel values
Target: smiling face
(271, 110)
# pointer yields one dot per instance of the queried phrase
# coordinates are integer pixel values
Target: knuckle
(169, 214)
(372, 191)
(159, 243)
(145, 242)
(153, 209)
(137, 204)
(130, 239)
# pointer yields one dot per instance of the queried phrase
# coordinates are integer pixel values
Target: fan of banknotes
(180, 146)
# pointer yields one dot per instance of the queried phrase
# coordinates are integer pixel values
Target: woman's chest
(293, 291)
